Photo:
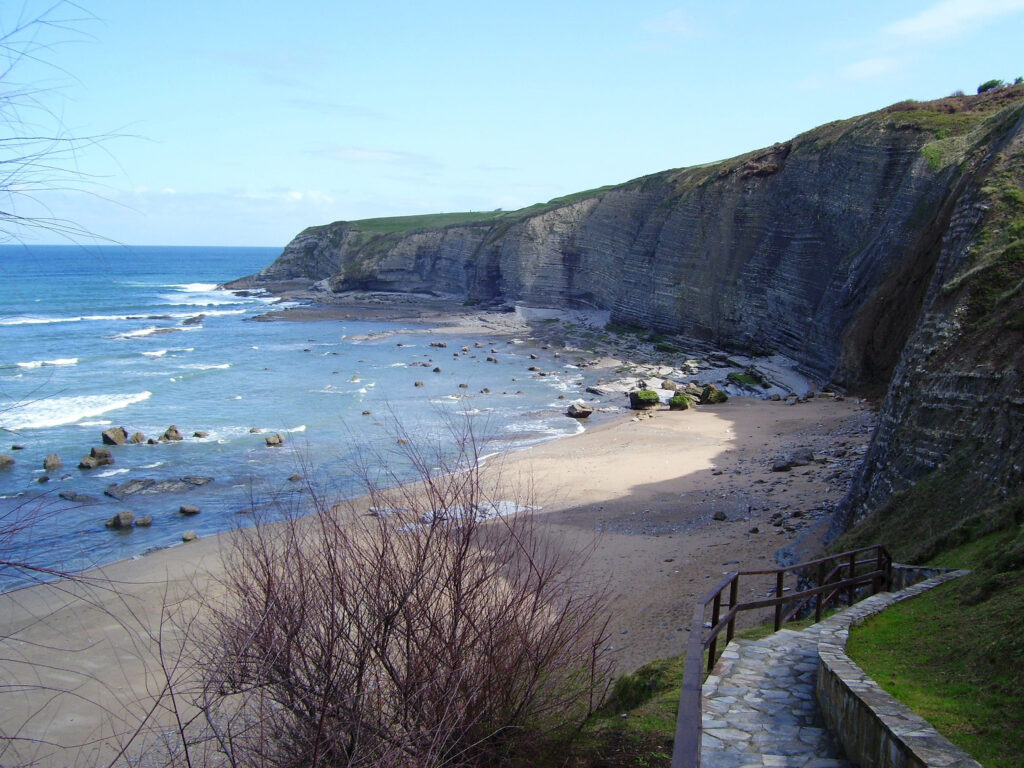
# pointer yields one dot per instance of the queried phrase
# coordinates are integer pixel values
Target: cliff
(882, 247)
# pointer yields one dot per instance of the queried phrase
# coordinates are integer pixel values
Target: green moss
(747, 379)
(644, 398)
(712, 395)
(680, 402)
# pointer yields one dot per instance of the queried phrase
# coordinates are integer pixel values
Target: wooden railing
(835, 579)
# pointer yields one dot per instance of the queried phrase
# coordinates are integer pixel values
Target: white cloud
(866, 69)
(373, 156)
(949, 18)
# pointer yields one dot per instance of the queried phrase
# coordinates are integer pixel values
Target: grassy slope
(956, 655)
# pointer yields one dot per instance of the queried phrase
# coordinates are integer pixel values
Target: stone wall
(876, 730)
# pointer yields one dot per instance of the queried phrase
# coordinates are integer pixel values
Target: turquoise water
(111, 336)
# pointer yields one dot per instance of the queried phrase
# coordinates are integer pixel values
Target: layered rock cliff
(835, 249)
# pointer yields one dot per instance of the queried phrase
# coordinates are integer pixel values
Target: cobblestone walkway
(759, 707)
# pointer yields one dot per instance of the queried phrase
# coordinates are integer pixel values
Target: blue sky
(241, 123)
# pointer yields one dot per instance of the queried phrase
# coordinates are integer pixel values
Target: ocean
(102, 336)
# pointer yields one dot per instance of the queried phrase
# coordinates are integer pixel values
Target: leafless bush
(439, 629)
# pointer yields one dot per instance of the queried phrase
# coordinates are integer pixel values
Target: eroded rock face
(954, 410)
(850, 249)
(777, 258)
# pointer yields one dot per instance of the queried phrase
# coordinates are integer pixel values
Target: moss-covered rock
(712, 395)
(643, 399)
(680, 403)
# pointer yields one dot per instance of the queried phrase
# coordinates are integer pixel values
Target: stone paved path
(759, 707)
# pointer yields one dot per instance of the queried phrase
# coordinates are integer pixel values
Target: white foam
(112, 472)
(41, 363)
(155, 353)
(54, 411)
(143, 332)
(207, 367)
(194, 287)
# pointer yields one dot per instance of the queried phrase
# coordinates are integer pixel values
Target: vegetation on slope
(954, 655)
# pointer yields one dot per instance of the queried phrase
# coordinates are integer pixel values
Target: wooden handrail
(836, 574)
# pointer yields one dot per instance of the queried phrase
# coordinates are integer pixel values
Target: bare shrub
(439, 629)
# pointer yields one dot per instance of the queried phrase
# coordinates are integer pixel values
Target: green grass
(388, 225)
(955, 655)
(400, 224)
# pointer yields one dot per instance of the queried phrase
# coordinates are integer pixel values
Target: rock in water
(136, 438)
(52, 462)
(144, 522)
(6, 460)
(77, 498)
(114, 436)
(122, 519)
(578, 411)
(275, 440)
(188, 536)
(171, 434)
(188, 509)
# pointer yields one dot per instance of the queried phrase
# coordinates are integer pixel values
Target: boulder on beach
(801, 457)
(578, 411)
(171, 434)
(188, 536)
(712, 395)
(114, 436)
(52, 462)
(275, 440)
(643, 399)
(136, 438)
(680, 402)
(122, 519)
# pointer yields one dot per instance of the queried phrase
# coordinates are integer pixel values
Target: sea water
(141, 337)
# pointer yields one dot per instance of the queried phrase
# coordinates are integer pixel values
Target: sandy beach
(674, 499)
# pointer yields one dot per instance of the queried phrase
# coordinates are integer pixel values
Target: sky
(187, 122)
